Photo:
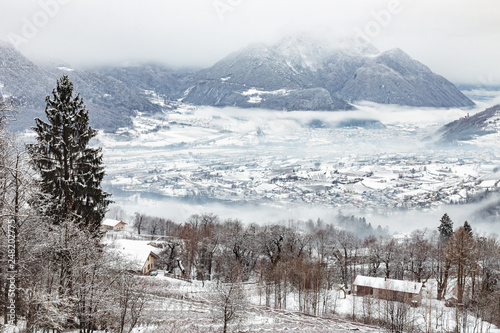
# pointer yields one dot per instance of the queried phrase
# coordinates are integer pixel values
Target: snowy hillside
(194, 306)
(110, 101)
(482, 128)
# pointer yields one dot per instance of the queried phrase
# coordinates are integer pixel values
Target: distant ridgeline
(297, 73)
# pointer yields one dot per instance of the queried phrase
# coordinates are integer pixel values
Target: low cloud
(396, 221)
(457, 39)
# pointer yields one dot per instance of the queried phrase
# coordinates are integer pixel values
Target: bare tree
(238, 251)
(201, 240)
(117, 213)
(419, 250)
(139, 222)
(17, 190)
(389, 252)
(344, 251)
(461, 253)
(230, 299)
(132, 299)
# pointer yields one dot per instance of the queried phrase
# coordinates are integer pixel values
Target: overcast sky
(456, 38)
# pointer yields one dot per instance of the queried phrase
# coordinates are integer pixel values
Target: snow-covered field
(261, 165)
(193, 307)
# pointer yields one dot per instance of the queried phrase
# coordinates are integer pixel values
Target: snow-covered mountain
(321, 77)
(483, 126)
(393, 77)
(21, 80)
(110, 101)
(299, 72)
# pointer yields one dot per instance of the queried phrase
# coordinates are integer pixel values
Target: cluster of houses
(387, 182)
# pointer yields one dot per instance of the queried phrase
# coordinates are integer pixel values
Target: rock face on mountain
(394, 78)
(482, 123)
(265, 77)
(313, 68)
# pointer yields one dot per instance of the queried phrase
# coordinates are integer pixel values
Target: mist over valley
(382, 162)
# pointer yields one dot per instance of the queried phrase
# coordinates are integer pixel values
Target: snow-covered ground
(193, 305)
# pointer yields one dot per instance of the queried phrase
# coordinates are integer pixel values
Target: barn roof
(388, 284)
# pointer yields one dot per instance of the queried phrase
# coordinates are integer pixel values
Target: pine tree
(70, 171)
(445, 228)
(444, 265)
(468, 228)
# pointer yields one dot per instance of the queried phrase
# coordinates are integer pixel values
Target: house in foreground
(393, 290)
(109, 224)
(138, 255)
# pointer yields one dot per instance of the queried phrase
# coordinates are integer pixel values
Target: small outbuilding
(116, 225)
(383, 288)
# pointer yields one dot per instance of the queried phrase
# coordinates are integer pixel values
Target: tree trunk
(444, 284)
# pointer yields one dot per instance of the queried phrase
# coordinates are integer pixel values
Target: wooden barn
(383, 288)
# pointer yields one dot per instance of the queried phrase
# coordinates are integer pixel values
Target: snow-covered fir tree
(468, 228)
(70, 171)
(445, 228)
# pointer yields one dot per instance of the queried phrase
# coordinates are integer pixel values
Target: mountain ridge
(296, 73)
(390, 77)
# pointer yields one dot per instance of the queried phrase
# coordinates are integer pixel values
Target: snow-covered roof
(135, 252)
(388, 284)
(111, 222)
